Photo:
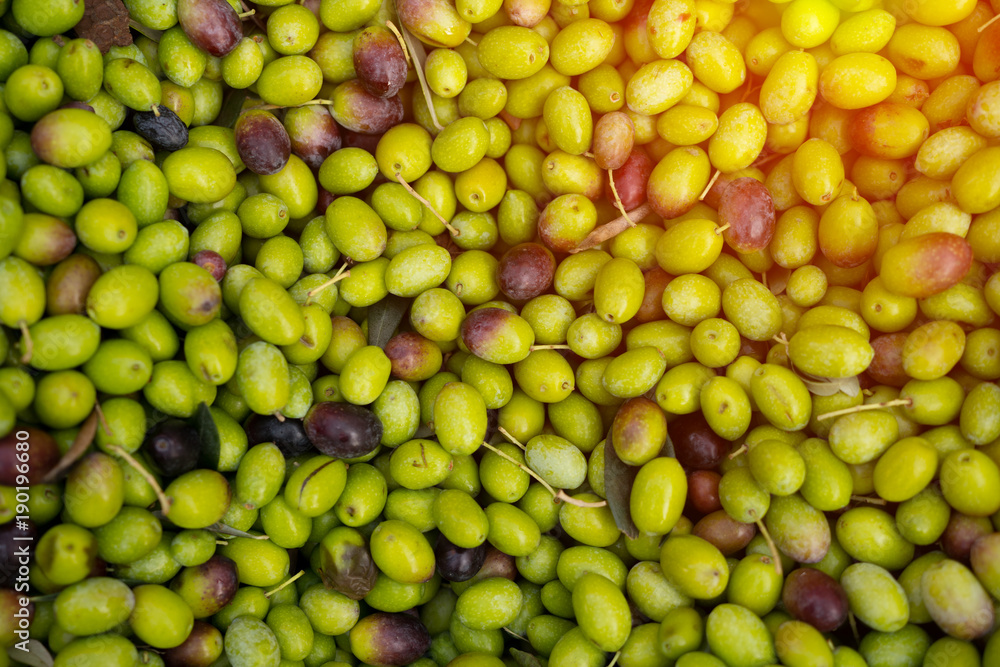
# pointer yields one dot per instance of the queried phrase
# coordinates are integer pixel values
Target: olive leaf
(821, 386)
(223, 529)
(525, 659)
(384, 317)
(36, 655)
(208, 434)
(80, 445)
(232, 108)
(618, 480)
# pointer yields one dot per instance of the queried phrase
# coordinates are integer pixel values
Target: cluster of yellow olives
(485, 333)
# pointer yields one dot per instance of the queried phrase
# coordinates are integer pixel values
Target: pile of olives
(484, 333)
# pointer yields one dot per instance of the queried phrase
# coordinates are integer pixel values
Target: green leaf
(36, 655)
(232, 107)
(525, 659)
(384, 317)
(618, 480)
(208, 434)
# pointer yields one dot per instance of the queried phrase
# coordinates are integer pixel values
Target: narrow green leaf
(525, 659)
(618, 480)
(384, 317)
(208, 433)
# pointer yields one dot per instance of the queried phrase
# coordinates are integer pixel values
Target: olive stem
(736, 452)
(618, 200)
(254, 17)
(471, 41)
(614, 660)
(566, 498)
(523, 467)
(854, 626)
(771, 545)
(514, 634)
(26, 343)
(280, 417)
(549, 347)
(145, 474)
(402, 42)
(222, 543)
(780, 338)
(612, 229)
(246, 15)
(100, 418)
(505, 433)
(336, 278)
(283, 584)
(419, 56)
(871, 501)
(904, 402)
(988, 23)
(720, 230)
(416, 195)
(704, 193)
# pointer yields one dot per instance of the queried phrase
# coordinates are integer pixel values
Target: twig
(402, 42)
(612, 229)
(988, 23)
(416, 195)
(505, 433)
(618, 200)
(165, 503)
(566, 498)
(419, 56)
(26, 343)
(896, 402)
(775, 554)
(708, 187)
(285, 583)
(100, 417)
(870, 501)
(336, 278)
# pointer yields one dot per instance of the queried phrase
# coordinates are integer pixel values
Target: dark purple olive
(455, 563)
(816, 598)
(343, 430)
(208, 587)
(213, 25)
(391, 640)
(201, 649)
(262, 142)
(379, 61)
(288, 435)
(172, 447)
(162, 128)
(17, 539)
(696, 445)
(43, 455)
(526, 271)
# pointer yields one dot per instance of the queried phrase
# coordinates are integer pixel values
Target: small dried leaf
(76, 450)
(618, 480)
(384, 317)
(223, 529)
(36, 655)
(612, 229)
(830, 386)
(525, 659)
